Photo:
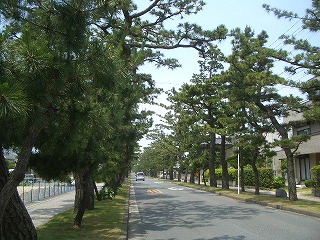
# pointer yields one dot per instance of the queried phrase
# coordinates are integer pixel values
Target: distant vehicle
(30, 177)
(140, 176)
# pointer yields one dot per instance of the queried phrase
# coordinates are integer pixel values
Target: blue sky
(231, 13)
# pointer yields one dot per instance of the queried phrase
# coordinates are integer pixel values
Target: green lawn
(107, 221)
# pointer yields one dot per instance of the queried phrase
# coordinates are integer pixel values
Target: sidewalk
(272, 192)
(42, 211)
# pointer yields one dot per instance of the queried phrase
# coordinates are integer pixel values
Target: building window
(304, 168)
(304, 131)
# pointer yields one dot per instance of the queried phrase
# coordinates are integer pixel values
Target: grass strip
(306, 207)
(107, 221)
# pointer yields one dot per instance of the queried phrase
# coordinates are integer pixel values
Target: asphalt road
(161, 210)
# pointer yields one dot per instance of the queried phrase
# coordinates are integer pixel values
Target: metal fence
(30, 191)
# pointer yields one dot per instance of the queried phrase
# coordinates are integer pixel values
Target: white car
(140, 176)
(30, 177)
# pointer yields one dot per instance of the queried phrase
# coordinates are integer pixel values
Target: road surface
(161, 210)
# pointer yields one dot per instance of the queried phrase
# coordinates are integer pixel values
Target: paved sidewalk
(273, 192)
(42, 211)
(300, 196)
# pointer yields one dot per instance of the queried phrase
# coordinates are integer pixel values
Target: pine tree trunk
(91, 185)
(186, 176)
(224, 164)
(82, 186)
(83, 191)
(204, 177)
(16, 223)
(9, 184)
(212, 160)
(79, 190)
(81, 200)
(171, 174)
(292, 188)
(191, 180)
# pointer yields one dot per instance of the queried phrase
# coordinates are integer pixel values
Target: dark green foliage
(265, 175)
(59, 167)
(278, 182)
(315, 176)
(249, 177)
(10, 164)
(233, 174)
(308, 183)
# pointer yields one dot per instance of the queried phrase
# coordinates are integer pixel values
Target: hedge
(266, 176)
(315, 176)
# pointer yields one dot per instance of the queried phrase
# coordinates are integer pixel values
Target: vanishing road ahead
(161, 210)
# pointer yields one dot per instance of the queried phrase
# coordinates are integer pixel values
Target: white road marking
(175, 189)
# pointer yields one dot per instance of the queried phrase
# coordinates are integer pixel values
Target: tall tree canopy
(69, 72)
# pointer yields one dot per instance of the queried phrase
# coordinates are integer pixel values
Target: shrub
(266, 177)
(206, 175)
(106, 193)
(315, 176)
(248, 177)
(219, 174)
(233, 174)
(278, 182)
(308, 183)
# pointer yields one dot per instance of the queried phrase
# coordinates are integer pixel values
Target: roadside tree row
(236, 98)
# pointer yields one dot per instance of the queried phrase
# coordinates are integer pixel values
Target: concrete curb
(134, 218)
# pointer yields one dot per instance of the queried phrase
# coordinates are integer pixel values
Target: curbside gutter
(135, 230)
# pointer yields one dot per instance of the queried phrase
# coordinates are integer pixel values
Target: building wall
(314, 159)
